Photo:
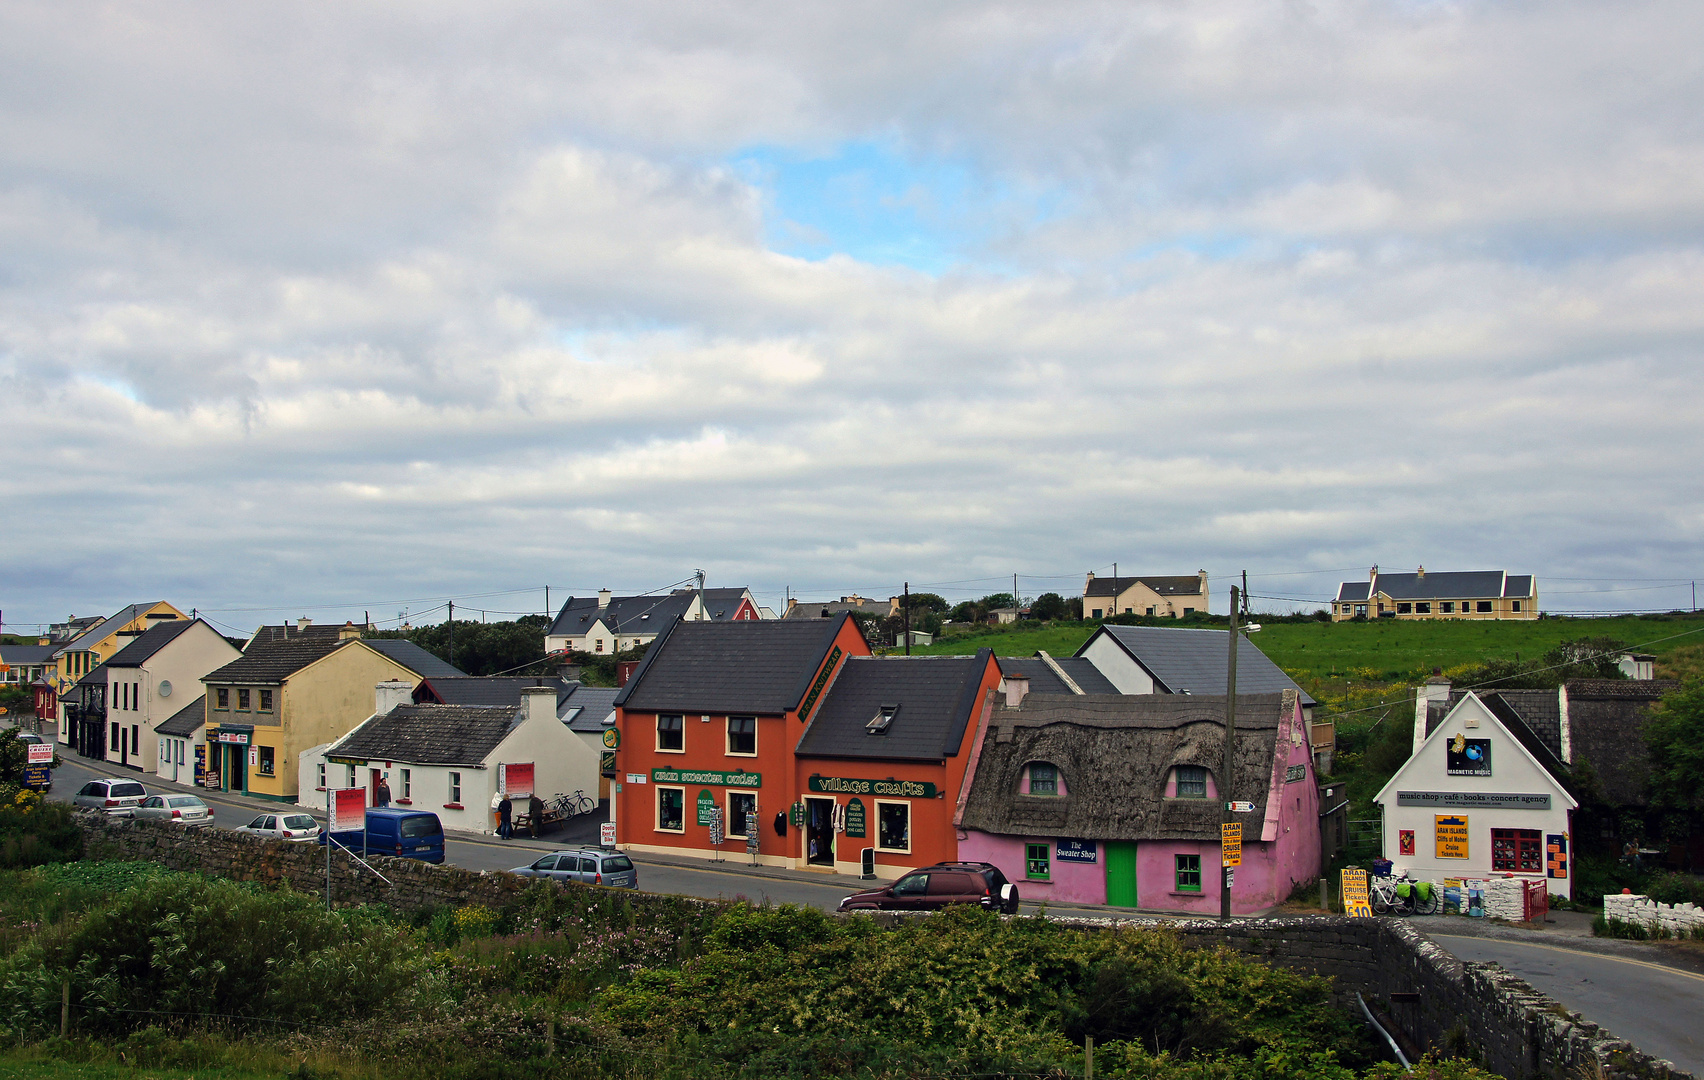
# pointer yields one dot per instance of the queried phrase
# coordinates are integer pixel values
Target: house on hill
(1474, 594)
(1159, 596)
(608, 623)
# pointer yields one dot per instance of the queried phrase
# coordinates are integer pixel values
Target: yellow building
(1471, 594)
(1153, 595)
(85, 728)
(297, 687)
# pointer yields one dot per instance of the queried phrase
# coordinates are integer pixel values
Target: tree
(1049, 605)
(1581, 658)
(1675, 736)
(925, 602)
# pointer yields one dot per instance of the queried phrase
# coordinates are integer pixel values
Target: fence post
(1088, 1057)
(65, 1009)
(1325, 893)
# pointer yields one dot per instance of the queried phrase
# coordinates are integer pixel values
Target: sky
(328, 309)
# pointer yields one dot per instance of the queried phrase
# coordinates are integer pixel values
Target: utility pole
(1114, 610)
(547, 601)
(1228, 769)
(452, 633)
(908, 618)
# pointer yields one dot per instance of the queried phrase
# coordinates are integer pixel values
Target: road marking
(1578, 952)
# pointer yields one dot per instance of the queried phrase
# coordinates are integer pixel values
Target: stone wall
(1679, 920)
(1432, 1000)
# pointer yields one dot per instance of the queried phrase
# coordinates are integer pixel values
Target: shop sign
(1467, 757)
(606, 834)
(1294, 773)
(36, 776)
(796, 815)
(706, 776)
(1556, 855)
(606, 763)
(240, 738)
(706, 808)
(855, 818)
(355, 761)
(200, 763)
(1354, 888)
(515, 779)
(1474, 800)
(1075, 851)
(904, 789)
(41, 753)
(1451, 836)
(1405, 842)
(821, 681)
(635, 778)
(612, 738)
(1230, 844)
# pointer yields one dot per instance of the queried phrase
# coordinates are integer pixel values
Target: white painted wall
(1110, 659)
(182, 662)
(1513, 770)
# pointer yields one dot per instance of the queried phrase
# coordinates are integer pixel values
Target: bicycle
(574, 805)
(1404, 896)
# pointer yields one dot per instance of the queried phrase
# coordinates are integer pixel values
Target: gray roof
(821, 609)
(1178, 585)
(1043, 679)
(99, 632)
(27, 655)
(155, 638)
(1351, 591)
(272, 660)
(720, 604)
(1114, 753)
(284, 631)
(184, 723)
(1194, 661)
(757, 666)
(1606, 726)
(936, 696)
(1450, 585)
(413, 657)
(1517, 585)
(1538, 711)
(486, 689)
(624, 615)
(587, 708)
(431, 734)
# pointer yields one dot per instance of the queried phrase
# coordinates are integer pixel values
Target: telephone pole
(907, 603)
(1228, 768)
(452, 621)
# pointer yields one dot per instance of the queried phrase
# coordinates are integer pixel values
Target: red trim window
(1517, 851)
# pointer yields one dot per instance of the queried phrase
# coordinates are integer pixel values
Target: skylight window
(879, 723)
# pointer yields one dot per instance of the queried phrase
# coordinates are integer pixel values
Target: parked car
(283, 827)
(587, 866)
(937, 886)
(118, 798)
(187, 810)
(395, 831)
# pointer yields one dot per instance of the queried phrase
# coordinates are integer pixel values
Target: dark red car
(939, 885)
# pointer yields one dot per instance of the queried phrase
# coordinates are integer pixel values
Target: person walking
(381, 796)
(505, 812)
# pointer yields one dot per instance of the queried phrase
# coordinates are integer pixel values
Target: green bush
(35, 833)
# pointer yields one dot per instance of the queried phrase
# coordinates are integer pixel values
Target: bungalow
(147, 681)
(1115, 799)
(1474, 594)
(183, 744)
(586, 710)
(1145, 594)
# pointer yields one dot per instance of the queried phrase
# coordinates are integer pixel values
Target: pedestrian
(504, 811)
(535, 814)
(381, 796)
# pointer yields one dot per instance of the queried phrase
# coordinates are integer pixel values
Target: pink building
(1115, 799)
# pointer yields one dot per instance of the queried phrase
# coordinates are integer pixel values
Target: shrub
(35, 833)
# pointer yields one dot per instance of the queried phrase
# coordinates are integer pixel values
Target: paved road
(1656, 1008)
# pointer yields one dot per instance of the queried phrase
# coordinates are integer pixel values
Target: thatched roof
(1115, 753)
(1606, 722)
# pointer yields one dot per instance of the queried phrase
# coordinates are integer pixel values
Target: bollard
(1325, 893)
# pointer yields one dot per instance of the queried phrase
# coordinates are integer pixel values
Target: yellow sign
(1452, 836)
(612, 737)
(1230, 844)
(1354, 887)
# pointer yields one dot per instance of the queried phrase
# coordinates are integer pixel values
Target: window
(1404, 609)
(742, 736)
(455, 785)
(1422, 609)
(1191, 782)
(266, 760)
(883, 720)
(266, 701)
(243, 699)
(1189, 611)
(1517, 851)
(1515, 605)
(671, 809)
(114, 742)
(322, 776)
(407, 782)
(1188, 873)
(911, 885)
(1361, 610)
(1150, 612)
(1095, 614)
(1447, 607)
(893, 826)
(599, 645)
(1484, 607)
(671, 736)
(349, 779)
(1043, 779)
(224, 696)
(180, 751)
(742, 813)
(135, 738)
(1035, 862)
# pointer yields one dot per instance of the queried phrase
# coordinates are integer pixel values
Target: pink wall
(1073, 882)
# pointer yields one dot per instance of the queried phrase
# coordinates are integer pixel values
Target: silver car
(588, 867)
(120, 798)
(283, 827)
(186, 810)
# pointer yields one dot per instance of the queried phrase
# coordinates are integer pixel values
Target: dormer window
(1191, 782)
(883, 719)
(1042, 778)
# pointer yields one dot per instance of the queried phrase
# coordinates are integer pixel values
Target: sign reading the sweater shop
(1474, 800)
(1074, 850)
(705, 776)
(842, 785)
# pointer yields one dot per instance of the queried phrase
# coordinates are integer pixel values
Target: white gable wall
(1110, 659)
(1513, 771)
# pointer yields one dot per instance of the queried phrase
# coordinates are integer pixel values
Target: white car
(183, 810)
(115, 797)
(283, 827)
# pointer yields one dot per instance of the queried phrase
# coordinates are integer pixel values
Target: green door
(1120, 872)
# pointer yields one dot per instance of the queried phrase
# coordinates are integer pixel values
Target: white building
(1475, 802)
(151, 679)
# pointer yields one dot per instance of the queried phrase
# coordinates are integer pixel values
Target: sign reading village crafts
(904, 789)
(1474, 800)
(705, 776)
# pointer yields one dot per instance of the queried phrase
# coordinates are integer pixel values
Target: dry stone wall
(1679, 920)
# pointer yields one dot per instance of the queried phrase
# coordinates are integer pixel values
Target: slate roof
(755, 666)
(587, 708)
(155, 638)
(486, 689)
(936, 696)
(431, 734)
(294, 630)
(721, 604)
(1517, 585)
(1353, 591)
(1606, 725)
(1043, 679)
(827, 609)
(624, 615)
(184, 723)
(272, 660)
(1539, 712)
(99, 632)
(97, 677)
(1195, 662)
(1114, 753)
(27, 655)
(412, 657)
(1179, 585)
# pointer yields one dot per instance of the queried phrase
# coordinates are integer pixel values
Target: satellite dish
(165, 688)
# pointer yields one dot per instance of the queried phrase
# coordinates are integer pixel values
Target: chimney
(348, 631)
(302, 625)
(388, 695)
(792, 602)
(1017, 688)
(1437, 687)
(539, 702)
(1420, 572)
(1373, 574)
(603, 598)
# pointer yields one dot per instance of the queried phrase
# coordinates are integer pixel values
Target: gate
(1366, 838)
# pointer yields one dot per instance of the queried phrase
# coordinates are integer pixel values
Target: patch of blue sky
(868, 201)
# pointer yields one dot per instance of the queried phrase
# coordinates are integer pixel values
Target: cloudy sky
(310, 309)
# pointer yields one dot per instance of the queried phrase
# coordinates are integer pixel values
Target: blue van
(403, 834)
